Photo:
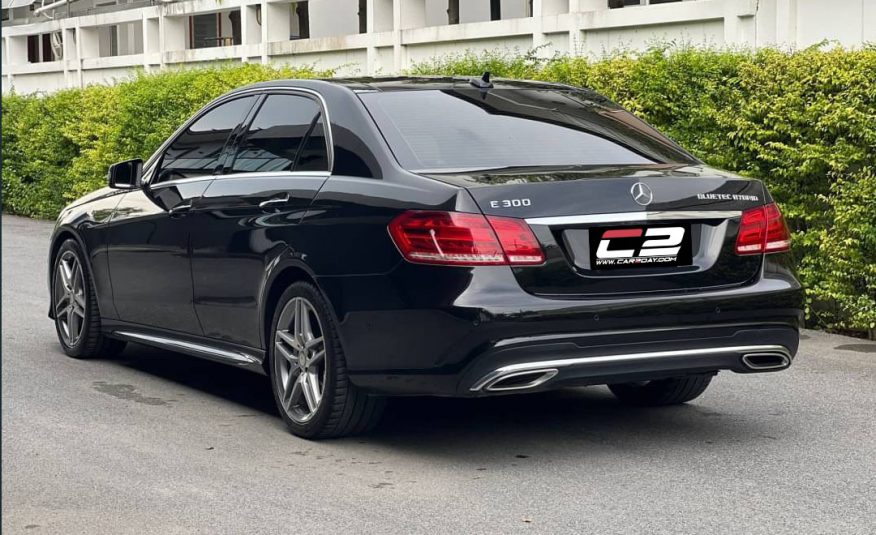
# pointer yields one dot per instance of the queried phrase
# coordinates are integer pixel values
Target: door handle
(276, 202)
(180, 209)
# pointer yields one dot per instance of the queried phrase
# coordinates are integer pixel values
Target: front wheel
(663, 391)
(74, 307)
(309, 372)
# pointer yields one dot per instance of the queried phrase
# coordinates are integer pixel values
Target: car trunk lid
(624, 230)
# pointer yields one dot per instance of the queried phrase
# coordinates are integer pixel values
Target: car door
(148, 237)
(249, 215)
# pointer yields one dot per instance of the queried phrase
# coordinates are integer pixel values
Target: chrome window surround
(327, 123)
(266, 174)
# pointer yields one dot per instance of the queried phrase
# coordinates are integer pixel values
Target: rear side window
(198, 150)
(287, 134)
(459, 129)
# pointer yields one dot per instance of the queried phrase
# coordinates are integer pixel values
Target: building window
(205, 30)
(33, 48)
(441, 12)
(300, 21)
(215, 29)
(613, 4)
(44, 47)
(452, 11)
(114, 41)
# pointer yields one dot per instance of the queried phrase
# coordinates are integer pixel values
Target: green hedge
(804, 122)
(57, 147)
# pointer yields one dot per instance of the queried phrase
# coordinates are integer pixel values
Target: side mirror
(125, 175)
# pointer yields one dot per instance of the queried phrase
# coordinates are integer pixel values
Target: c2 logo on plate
(640, 246)
(668, 245)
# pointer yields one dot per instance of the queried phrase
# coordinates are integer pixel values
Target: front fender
(85, 221)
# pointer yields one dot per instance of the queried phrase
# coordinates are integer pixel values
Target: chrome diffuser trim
(233, 357)
(622, 217)
(517, 369)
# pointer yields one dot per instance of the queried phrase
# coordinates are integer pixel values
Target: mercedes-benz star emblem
(642, 194)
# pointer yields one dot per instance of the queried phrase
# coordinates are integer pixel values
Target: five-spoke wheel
(314, 394)
(75, 309)
(301, 370)
(69, 298)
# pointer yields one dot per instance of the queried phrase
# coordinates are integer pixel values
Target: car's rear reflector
(762, 230)
(463, 239)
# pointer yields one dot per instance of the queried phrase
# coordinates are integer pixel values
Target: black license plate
(640, 246)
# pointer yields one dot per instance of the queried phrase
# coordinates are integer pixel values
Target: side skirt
(242, 357)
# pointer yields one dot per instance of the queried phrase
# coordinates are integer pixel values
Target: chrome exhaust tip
(520, 380)
(766, 360)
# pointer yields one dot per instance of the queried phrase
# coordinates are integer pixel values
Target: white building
(51, 44)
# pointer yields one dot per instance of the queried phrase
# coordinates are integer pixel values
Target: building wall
(598, 42)
(848, 22)
(404, 32)
(329, 18)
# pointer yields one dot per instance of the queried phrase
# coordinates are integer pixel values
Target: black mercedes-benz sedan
(364, 238)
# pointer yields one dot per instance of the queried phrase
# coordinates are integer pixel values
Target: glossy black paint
(201, 261)
(148, 257)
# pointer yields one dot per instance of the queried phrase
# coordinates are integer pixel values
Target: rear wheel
(74, 304)
(309, 373)
(663, 391)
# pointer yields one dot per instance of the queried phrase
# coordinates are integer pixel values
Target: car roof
(407, 83)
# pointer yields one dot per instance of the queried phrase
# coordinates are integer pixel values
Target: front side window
(287, 134)
(198, 150)
(466, 129)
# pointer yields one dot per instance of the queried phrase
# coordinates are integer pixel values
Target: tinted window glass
(287, 134)
(466, 129)
(197, 151)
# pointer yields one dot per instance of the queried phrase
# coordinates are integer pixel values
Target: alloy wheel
(299, 360)
(69, 298)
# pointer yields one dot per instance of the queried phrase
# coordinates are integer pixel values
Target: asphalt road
(156, 442)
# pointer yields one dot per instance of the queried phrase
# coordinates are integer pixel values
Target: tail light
(762, 230)
(463, 239)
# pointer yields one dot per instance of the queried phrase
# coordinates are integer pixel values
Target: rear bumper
(570, 363)
(545, 363)
(467, 328)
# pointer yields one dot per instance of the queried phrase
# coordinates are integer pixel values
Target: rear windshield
(465, 129)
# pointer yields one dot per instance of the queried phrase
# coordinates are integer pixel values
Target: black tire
(671, 391)
(91, 342)
(344, 409)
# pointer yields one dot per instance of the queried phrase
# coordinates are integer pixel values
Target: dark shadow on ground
(238, 386)
(486, 429)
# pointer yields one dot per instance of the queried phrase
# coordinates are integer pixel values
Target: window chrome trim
(258, 174)
(178, 181)
(267, 91)
(622, 217)
(275, 174)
